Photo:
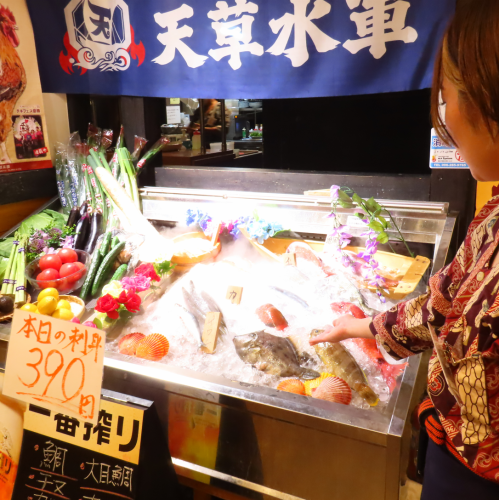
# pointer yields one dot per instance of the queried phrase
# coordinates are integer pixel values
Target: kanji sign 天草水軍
(231, 48)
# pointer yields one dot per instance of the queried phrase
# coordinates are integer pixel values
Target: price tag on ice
(55, 364)
(289, 259)
(210, 331)
(235, 294)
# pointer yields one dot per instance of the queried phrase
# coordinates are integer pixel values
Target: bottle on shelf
(196, 139)
(244, 133)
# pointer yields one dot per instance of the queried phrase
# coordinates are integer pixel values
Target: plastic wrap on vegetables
(157, 147)
(61, 172)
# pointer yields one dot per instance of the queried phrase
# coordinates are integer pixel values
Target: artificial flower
(148, 271)
(114, 288)
(109, 305)
(136, 283)
(334, 192)
(130, 300)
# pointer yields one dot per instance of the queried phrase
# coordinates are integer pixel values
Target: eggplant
(74, 217)
(81, 232)
(83, 209)
(95, 232)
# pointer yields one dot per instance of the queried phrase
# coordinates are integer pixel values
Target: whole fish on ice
(201, 304)
(346, 308)
(191, 323)
(304, 252)
(271, 354)
(340, 363)
(291, 296)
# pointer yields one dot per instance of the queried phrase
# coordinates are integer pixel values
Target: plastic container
(64, 285)
(196, 140)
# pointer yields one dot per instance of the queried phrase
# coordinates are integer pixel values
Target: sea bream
(340, 363)
(271, 354)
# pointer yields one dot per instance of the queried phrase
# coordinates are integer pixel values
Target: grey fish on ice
(291, 296)
(193, 307)
(191, 323)
(271, 354)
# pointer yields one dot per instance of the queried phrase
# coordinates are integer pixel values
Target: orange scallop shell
(128, 344)
(292, 385)
(153, 347)
(334, 389)
(311, 385)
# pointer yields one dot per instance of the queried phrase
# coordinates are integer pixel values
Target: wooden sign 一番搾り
(210, 331)
(55, 364)
(234, 294)
(289, 259)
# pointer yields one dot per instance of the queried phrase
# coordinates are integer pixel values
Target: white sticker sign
(55, 364)
(173, 115)
(443, 156)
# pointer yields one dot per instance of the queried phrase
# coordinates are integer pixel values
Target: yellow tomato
(48, 292)
(30, 308)
(63, 314)
(47, 305)
(63, 304)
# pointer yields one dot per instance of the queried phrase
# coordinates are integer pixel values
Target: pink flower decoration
(136, 283)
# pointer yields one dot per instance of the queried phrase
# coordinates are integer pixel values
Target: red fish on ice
(304, 251)
(348, 308)
(389, 372)
(271, 316)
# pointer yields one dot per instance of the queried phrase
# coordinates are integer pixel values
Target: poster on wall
(237, 48)
(23, 130)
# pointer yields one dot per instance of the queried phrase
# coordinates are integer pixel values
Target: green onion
(10, 263)
(20, 289)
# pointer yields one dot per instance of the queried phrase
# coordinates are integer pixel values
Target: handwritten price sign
(210, 331)
(289, 259)
(234, 294)
(55, 364)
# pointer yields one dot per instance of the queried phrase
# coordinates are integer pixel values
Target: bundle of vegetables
(111, 249)
(157, 147)
(46, 218)
(14, 282)
(48, 240)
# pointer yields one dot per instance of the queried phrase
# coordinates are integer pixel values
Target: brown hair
(469, 58)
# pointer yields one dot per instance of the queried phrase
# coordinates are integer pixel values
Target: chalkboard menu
(64, 458)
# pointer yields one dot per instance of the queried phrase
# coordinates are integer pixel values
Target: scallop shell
(153, 347)
(334, 389)
(310, 385)
(128, 344)
(292, 385)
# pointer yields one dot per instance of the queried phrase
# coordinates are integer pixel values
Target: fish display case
(237, 432)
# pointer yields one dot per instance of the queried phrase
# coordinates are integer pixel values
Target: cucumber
(115, 241)
(92, 271)
(119, 273)
(104, 267)
(106, 244)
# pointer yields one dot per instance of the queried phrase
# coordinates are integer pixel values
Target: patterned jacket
(462, 303)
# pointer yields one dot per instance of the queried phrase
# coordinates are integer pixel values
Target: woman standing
(461, 306)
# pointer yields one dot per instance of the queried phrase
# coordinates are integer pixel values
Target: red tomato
(46, 278)
(83, 271)
(51, 261)
(72, 271)
(64, 285)
(67, 255)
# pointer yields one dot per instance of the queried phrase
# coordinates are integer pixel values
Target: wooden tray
(411, 270)
(184, 262)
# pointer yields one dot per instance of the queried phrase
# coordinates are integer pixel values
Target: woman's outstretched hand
(344, 327)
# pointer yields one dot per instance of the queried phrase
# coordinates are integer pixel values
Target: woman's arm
(402, 330)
